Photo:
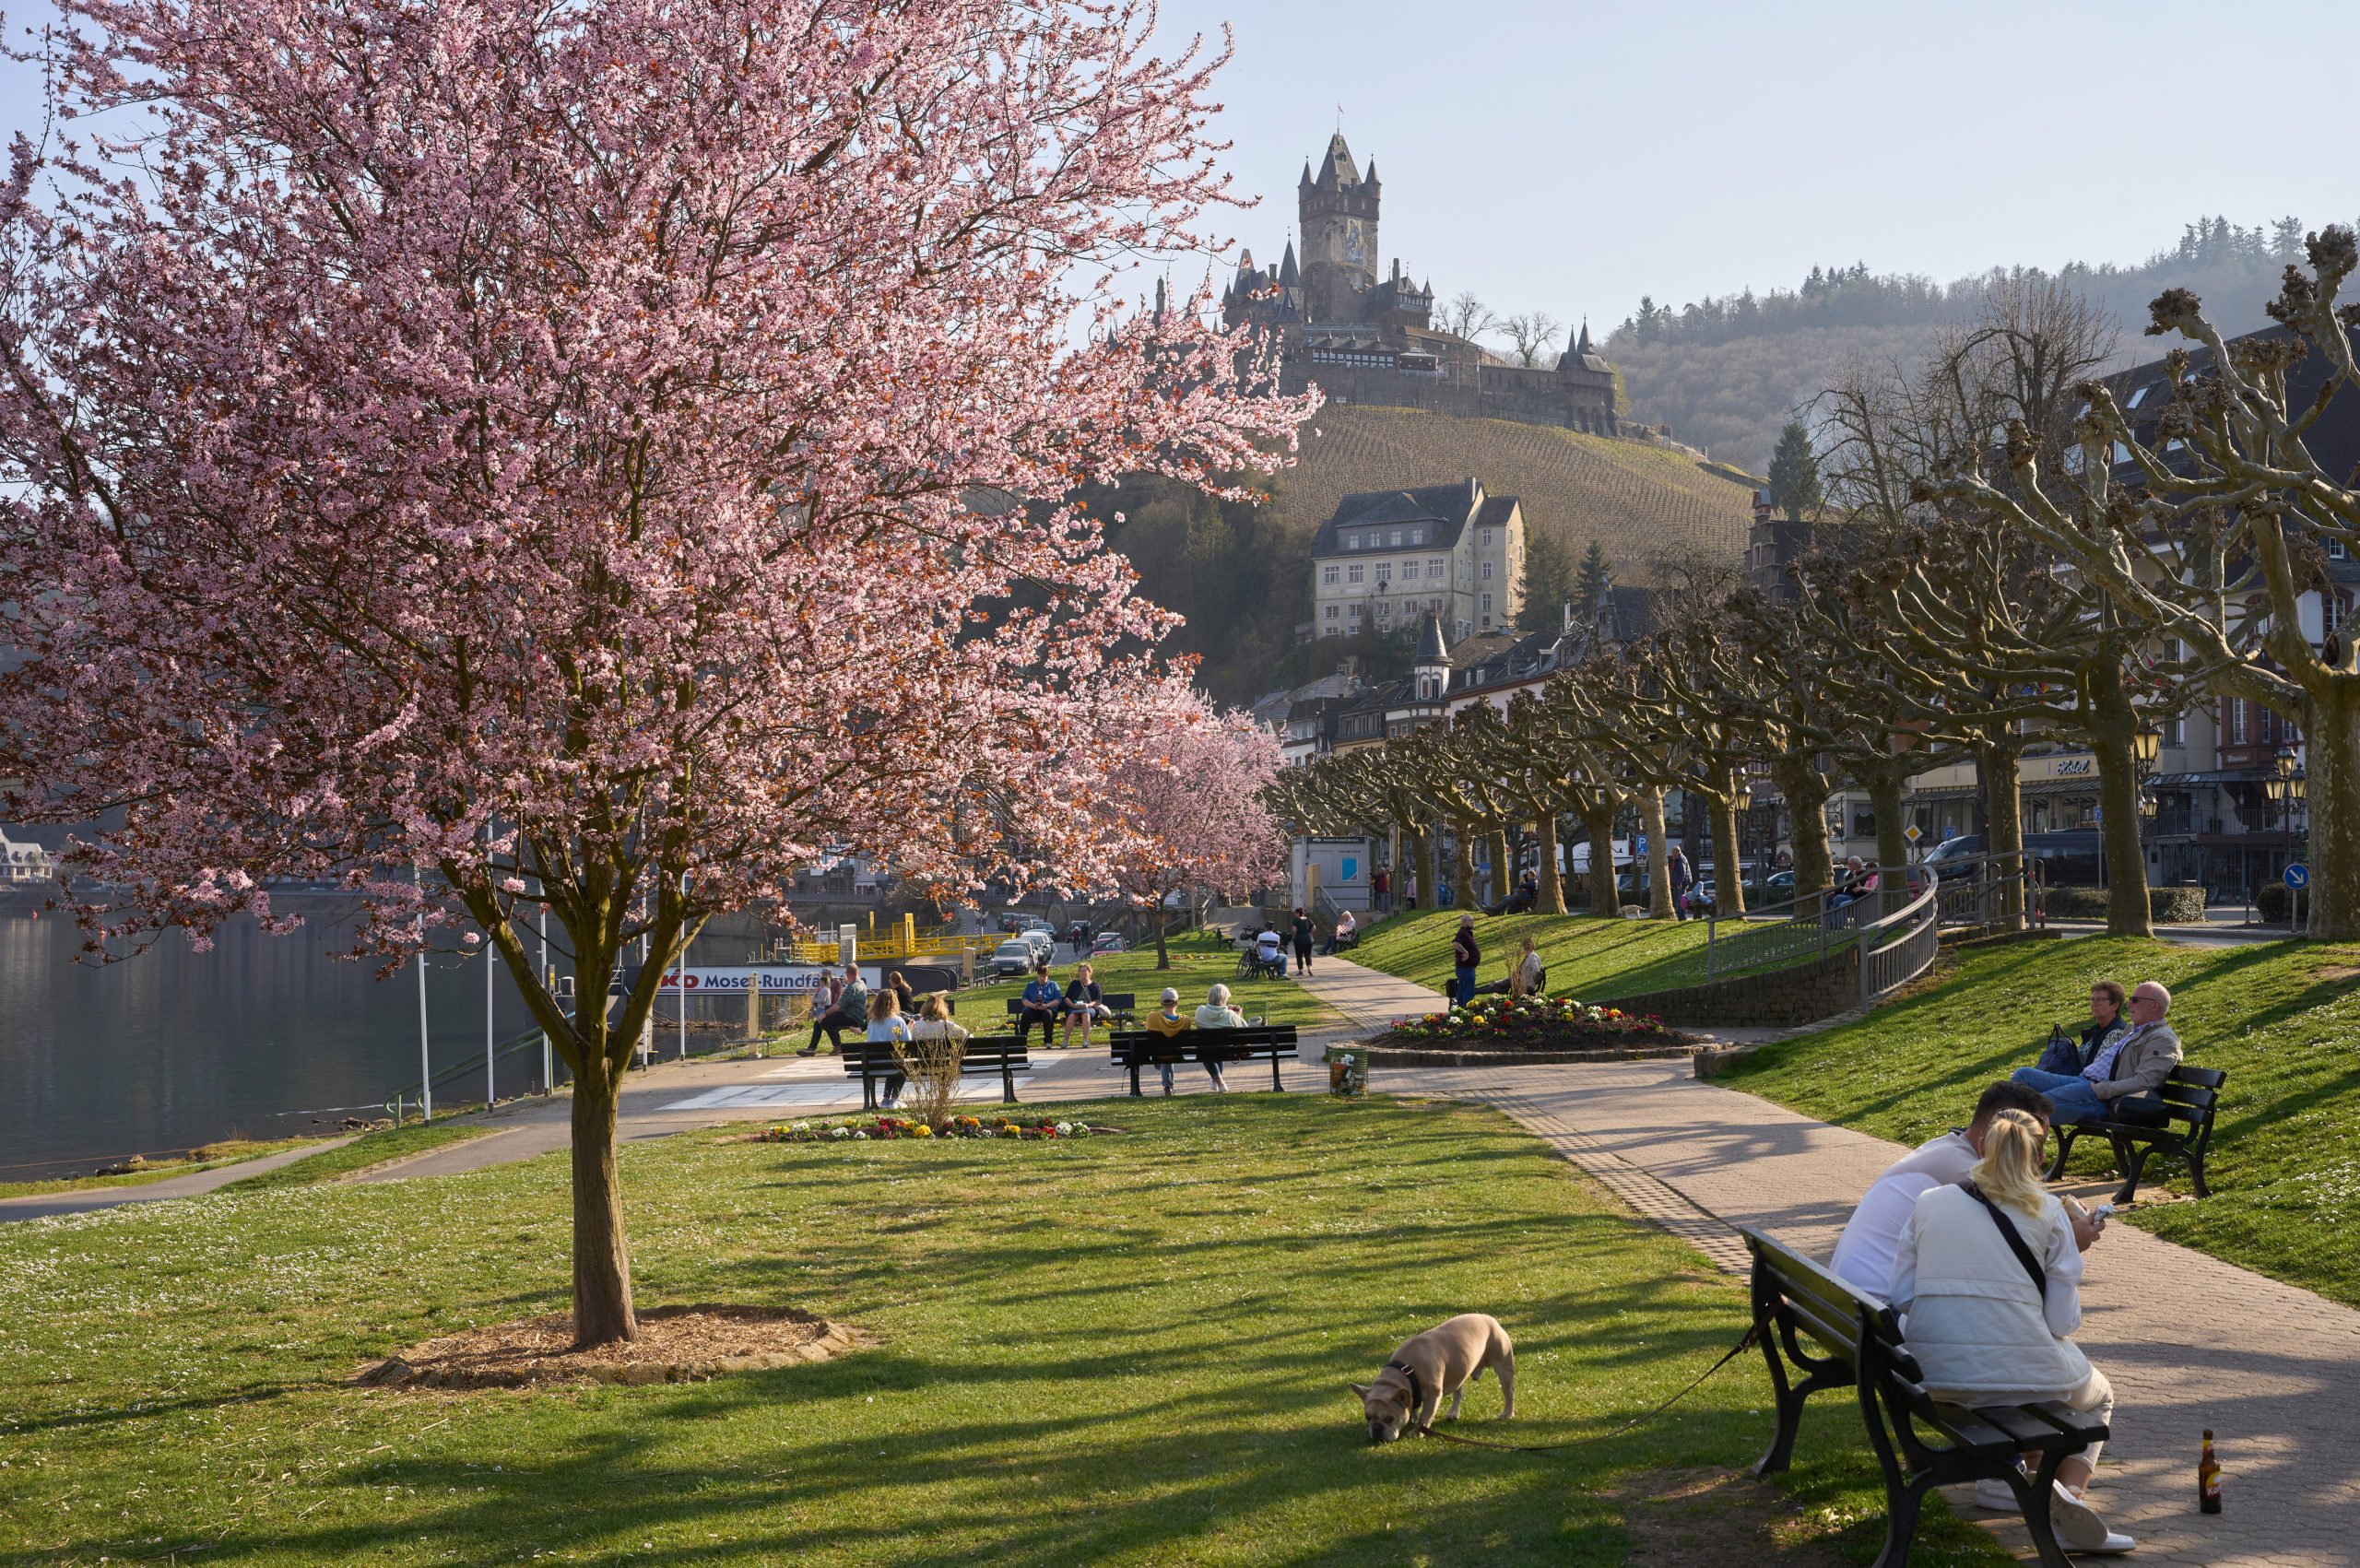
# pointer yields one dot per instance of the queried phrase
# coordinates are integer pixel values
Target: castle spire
(1336, 169)
(1583, 346)
(1289, 276)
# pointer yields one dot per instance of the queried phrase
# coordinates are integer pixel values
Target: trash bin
(1348, 1069)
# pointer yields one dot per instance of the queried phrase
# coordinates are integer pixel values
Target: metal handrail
(416, 1092)
(1886, 966)
(1761, 944)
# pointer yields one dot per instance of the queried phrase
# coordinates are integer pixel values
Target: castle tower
(1337, 207)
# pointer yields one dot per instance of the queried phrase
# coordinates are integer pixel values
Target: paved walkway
(38, 1205)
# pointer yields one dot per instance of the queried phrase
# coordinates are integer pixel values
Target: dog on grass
(1441, 1361)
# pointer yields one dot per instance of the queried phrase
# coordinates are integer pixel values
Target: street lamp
(2144, 746)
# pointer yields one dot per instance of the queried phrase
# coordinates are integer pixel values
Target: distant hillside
(1639, 501)
(1242, 574)
(1726, 373)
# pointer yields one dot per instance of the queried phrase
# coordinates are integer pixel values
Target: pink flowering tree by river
(505, 457)
(1188, 806)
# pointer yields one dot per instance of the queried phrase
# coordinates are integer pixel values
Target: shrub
(2170, 906)
(933, 1069)
(2270, 901)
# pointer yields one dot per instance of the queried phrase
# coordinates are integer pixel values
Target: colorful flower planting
(1530, 1023)
(879, 1129)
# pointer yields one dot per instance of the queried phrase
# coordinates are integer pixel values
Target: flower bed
(1532, 1023)
(868, 1129)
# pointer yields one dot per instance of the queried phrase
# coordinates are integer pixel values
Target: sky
(1571, 156)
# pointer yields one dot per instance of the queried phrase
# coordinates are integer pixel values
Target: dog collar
(1417, 1396)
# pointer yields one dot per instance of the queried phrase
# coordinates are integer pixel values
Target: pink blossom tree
(1188, 809)
(591, 458)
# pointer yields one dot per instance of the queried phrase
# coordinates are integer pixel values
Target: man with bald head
(2132, 1062)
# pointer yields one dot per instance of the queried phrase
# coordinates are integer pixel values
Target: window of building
(1329, 576)
(1487, 572)
(1465, 630)
(1356, 612)
(1335, 612)
(1487, 604)
(1417, 536)
(1434, 568)
(2234, 715)
(1354, 573)
(1383, 610)
(1395, 540)
(2336, 550)
(1335, 632)
(1384, 572)
(1351, 541)
(1487, 538)
(2174, 731)
(1864, 821)
(1434, 606)
(1409, 569)
(2332, 612)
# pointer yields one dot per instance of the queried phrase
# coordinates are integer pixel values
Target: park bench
(1252, 965)
(2178, 1120)
(1133, 1049)
(1920, 1443)
(1122, 1004)
(999, 1055)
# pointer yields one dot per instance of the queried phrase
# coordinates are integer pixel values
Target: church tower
(1337, 209)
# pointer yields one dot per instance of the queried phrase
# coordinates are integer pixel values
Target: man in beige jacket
(2134, 1062)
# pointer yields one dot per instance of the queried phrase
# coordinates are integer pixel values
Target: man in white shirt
(1864, 1254)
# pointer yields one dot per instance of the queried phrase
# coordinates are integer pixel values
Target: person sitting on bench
(1526, 977)
(851, 1011)
(2132, 1062)
(1270, 949)
(1167, 1022)
(1043, 1000)
(2063, 1054)
(1218, 1014)
(1871, 1238)
(1085, 1004)
(889, 1030)
(1988, 1282)
(1342, 935)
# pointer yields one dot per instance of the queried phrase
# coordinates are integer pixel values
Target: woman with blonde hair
(889, 1029)
(1988, 1280)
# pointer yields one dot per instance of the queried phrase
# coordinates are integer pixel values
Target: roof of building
(1337, 168)
(1431, 649)
(1449, 507)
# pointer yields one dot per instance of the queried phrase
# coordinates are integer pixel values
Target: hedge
(2270, 901)
(2165, 906)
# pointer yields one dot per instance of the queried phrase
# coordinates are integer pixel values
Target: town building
(1365, 336)
(1389, 559)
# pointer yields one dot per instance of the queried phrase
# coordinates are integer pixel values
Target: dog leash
(1744, 1343)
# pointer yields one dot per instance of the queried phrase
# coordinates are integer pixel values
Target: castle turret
(1338, 211)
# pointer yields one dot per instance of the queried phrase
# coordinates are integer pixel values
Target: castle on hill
(1366, 338)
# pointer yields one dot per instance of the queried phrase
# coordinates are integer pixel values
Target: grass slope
(1640, 501)
(378, 1147)
(1121, 1351)
(230, 1151)
(2280, 1018)
(1198, 963)
(1587, 957)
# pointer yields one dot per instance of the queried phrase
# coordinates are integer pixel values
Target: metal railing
(1780, 933)
(1900, 947)
(1973, 888)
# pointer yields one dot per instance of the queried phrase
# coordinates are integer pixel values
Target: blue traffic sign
(2298, 874)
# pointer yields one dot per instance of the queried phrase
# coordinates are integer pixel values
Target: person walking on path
(1410, 888)
(1682, 877)
(889, 1030)
(1465, 955)
(1988, 1285)
(1304, 936)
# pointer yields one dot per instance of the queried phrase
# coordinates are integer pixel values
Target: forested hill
(1724, 373)
(1242, 574)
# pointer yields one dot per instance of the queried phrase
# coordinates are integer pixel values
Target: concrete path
(1370, 997)
(39, 1206)
(2189, 1342)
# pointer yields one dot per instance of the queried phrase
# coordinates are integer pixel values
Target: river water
(263, 1037)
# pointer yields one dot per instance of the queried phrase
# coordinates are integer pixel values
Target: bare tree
(1530, 335)
(1467, 316)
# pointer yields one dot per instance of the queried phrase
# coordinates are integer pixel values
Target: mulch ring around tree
(679, 1344)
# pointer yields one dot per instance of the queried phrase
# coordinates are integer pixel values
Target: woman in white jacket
(1984, 1333)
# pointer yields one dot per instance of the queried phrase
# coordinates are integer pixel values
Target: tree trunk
(2331, 796)
(1651, 822)
(1728, 855)
(1163, 957)
(1995, 765)
(1501, 880)
(1462, 866)
(1552, 886)
(1430, 865)
(2127, 910)
(1892, 850)
(1805, 787)
(602, 1309)
(1605, 898)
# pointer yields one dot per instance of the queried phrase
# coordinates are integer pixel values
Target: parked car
(1949, 858)
(1014, 957)
(1043, 939)
(1109, 942)
(1777, 890)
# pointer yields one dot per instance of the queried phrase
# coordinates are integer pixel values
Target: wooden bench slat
(2187, 1101)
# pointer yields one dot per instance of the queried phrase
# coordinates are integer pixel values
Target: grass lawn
(2280, 1017)
(369, 1149)
(1587, 957)
(1122, 1351)
(231, 1151)
(1197, 961)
